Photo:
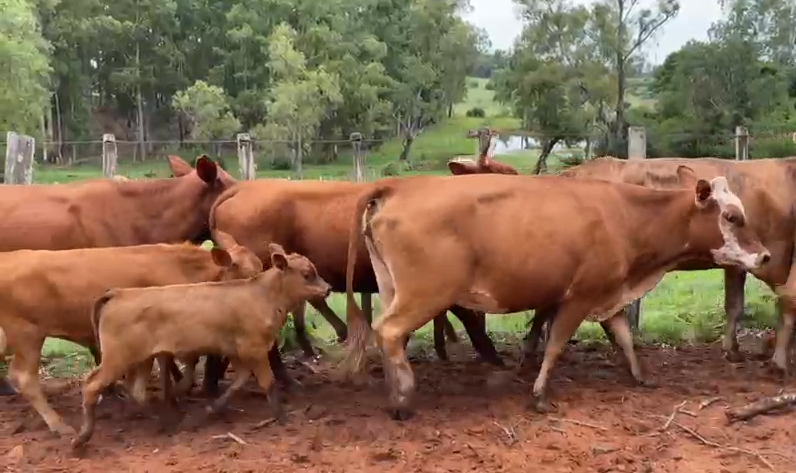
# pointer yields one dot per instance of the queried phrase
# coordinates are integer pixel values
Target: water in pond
(507, 144)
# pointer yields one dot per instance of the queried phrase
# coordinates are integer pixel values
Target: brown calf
(767, 188)
(49, 294)
(312, 218)
(485, 164)
(238, 319)
(475, 241)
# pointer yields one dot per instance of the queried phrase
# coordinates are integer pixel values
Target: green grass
(478, 96)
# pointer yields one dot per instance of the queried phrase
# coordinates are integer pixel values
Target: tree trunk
(547, 148)
(299, 158)
(409, 139)
(619, 121)
(59, 124)
(450, 110)
(139, 103)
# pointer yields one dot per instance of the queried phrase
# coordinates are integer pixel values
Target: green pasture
(686, 307)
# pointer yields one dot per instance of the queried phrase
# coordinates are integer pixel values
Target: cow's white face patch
(731, 253)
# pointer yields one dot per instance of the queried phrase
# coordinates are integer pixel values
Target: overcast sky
(499, 19)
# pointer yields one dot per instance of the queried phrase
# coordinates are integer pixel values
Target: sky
(499, 19)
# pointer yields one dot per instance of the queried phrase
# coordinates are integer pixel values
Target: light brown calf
(238, 319)
(767, 188)
(50, 294)
(486, 163)
(475, 241)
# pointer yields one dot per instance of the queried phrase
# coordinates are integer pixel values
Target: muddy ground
(468, 419)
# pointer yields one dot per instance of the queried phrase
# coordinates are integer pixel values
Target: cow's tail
(96, 313)
(225, 196)
(358, 327)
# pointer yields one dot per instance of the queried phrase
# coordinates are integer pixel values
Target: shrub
(280, 164)
(489, 86)
(476, 112)
(772, 147)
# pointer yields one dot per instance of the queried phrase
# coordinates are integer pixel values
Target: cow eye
(732, 218)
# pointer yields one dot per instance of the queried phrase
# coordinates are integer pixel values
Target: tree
(300, 97)
(207, 110)
(621, 28)
(24, 55)
(556, 81)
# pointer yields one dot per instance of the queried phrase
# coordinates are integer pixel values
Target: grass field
(685, 307)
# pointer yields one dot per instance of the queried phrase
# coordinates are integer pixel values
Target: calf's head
(720, 224)
(299, 280)
(236, 261)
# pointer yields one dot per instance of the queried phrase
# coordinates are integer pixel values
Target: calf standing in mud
(237, 319)
(475, 241)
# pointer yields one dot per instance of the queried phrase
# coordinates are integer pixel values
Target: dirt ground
(468, 419)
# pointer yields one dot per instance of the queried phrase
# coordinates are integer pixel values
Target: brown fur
(767, 188)
(239, 319)
(50, 293)
(475, 241)
(312, 218)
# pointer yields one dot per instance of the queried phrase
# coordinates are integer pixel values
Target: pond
(507, 144)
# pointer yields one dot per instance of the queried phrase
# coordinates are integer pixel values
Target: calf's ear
(703, 191)
(179, 167)
(221, 257)
(206, 169)
(224, 240)
(686, 176)
(278, 256)
(456, 168)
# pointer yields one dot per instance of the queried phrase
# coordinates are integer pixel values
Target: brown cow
(105, 213)
(486, 164)
(311, 218)
(238, 319)
(475, 241)
(767, 188)
(49, 294)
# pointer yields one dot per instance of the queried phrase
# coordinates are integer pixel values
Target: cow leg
(787, 317)
(5, 387)
(184, 385)
(564, 325)
(734, 282)
(113, 389)
(623, 338)
(439, 335)
(101, 377)
(212, 375)
(327, 313)
(242, 374)
(367, 305)
(301, 330)
(534, 336)
(265, 378)
(165, 361)
(24, 372)
(279, 369)
(475, 325)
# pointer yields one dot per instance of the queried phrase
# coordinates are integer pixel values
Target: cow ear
(456, 168)
(278, 256)
(703, 191)
(206, 169)
(224, 240)
(686, 176)
(179, 167)
(221, 257)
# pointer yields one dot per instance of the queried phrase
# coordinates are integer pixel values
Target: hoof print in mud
(400, 414)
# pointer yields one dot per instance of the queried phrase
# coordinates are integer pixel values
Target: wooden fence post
(109, 155)
(359, 160)
(741, 143)
(19, 159)
(245, 157)
(636, 149)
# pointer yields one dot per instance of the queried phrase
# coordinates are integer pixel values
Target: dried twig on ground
(713, 444)
(231, 436)
(708, 402)
(671, 417)
(761, 406)
(509, 431)
(579, 422)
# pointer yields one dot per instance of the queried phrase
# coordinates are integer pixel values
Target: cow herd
(113, 265)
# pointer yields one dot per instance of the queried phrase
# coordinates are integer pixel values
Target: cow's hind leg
(101, 377)
(734, 281)
(475, 325)
(300, 326)
(327, 313)
(24, 372)
(439, 335)
(265, 378)
(242, 374)
(564, 324)
(623, 338)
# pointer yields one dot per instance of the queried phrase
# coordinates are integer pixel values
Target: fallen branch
(509, 431)
(231, 436)
(761, 406)
(708, 402)
(579, 422)
(713, 444)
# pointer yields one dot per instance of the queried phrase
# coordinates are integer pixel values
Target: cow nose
(763, 258)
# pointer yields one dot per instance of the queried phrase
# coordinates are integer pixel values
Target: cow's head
(720, 224)
(236, 261)
(299, 280)
(195, 190)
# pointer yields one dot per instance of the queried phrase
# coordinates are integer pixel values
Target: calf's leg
(242, 374)
(623, 338)
(299, 324)
(104, 375)
(24, 372)
(264, 374)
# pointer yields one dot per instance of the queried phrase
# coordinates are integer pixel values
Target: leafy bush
(772, 147)
(476, 112)
(280, 164)
(390, 169)
(489, 86)
(473, 84)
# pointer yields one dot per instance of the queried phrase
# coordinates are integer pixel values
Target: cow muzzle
(746, 260)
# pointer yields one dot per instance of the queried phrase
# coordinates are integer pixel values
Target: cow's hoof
(400, 414)
(776, 370)
(541, 406)
(646, 383)
(734, 356)
(493, 360)
(63, 430)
